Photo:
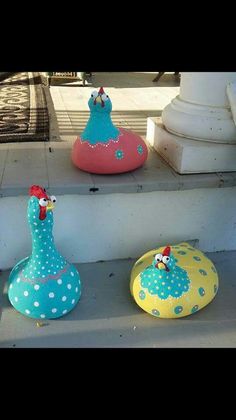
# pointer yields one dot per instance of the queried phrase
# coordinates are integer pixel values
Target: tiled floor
(107, 316)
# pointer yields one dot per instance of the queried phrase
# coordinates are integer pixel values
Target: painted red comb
(37, 191)
(166, 251)
(101, 91)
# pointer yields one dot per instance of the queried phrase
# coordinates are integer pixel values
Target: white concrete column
(197, 132)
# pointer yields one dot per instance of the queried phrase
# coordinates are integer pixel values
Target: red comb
(166, 251)
(101, 91)
(37, 191)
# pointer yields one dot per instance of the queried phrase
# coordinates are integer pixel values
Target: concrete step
(107, 316)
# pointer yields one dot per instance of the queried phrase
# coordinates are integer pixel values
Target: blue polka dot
(203, 272)
(181, 252)
(155, 312)
(213, 269)
(119, 154)
(140, 149)
(201, 291)
(194, 309)
(142, 295)
(197, 258)
(215, 288)
(178, 309)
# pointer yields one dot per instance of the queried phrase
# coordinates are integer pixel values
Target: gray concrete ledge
(107, 316)
(49, 164)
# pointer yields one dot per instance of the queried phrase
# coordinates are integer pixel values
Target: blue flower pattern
(119, 154)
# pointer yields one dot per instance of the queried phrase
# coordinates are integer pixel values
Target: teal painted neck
(43, 240)
(43, 246)
(99, 129)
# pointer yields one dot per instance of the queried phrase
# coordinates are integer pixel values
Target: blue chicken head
(40, 206)
(99, 102)
(165, 260)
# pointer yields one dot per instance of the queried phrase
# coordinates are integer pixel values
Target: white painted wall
(105, 227)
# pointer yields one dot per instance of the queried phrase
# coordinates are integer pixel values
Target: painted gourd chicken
(103, 148)
(173, 281)
(43, 285)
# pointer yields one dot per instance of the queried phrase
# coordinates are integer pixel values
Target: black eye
(53, 199)
(94, 94)
(166, 259)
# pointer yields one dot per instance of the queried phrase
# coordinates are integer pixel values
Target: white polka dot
(64, 298)
(54, 310)
(36, 304)
(26, 293)
(10, 286)
(27, 311)
(42, 316)
(76, 289)
(163, 283)
(69, 286)
(18, 280)
(64, 312)
(36, 230)
(36, 287)
(59, 281)
(73, 301)
(16, 299)
(43, 275)
(51, 295)
(72, 274)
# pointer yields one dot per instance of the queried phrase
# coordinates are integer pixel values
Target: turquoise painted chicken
(43, 285)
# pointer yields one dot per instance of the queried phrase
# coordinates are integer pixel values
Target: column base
(188, 156)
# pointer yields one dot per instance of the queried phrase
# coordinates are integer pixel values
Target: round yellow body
(203, 284)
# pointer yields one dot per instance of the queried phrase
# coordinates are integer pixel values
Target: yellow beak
(161, 266)
(50, 206)
(98, 99)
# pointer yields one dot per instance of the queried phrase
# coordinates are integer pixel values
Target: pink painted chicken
(103, 148)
